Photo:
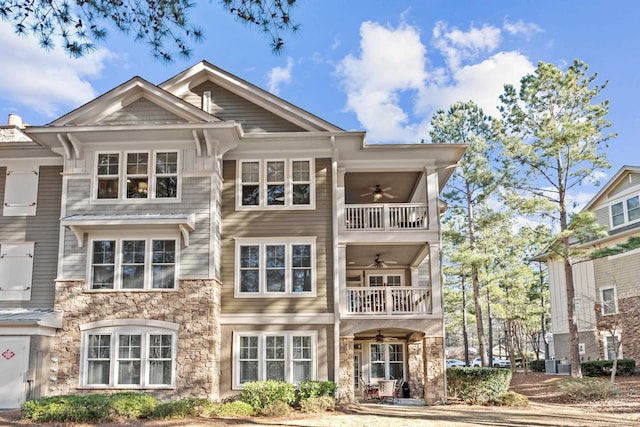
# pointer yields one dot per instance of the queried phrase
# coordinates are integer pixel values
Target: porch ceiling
(360, 256)
(403, 185)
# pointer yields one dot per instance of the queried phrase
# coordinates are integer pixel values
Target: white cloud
(391, 61)
(45, 81)
(392, 89)
(457, 46)
(527, 29)
(279, 76)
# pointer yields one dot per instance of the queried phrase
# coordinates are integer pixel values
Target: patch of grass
(586, 388)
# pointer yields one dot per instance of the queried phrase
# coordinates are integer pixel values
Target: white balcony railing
(386, 217)
(389, 300)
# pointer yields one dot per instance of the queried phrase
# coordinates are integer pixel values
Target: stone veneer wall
(626, 322)
(415, 376)
(346, 392)
(195, 306)
(434, 389)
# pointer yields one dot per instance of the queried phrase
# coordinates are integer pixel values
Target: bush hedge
(599, 368)
(261, 394)
(537, 365)
(91, 408)
(308, 389)
(586, 388)
(478, 385)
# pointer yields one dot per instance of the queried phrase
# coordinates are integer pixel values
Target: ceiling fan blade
(387, 189)
(389, 196)
(391, 262)
(366, 194)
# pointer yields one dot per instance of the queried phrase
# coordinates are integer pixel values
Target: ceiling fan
(378, 262)
(378, 193)
(379, 337)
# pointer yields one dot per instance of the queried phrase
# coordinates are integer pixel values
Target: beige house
(607, 302)
(212, 234)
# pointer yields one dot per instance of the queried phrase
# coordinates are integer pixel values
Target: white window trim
(615, 301)
(288, 369)
(263, 242)
(288, 185)
(605, 346)
(387, 363)
(148, 238)
(622, 200)
(384, 274)
(122, 178)
(124, 329)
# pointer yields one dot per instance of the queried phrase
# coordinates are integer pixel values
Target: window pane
(249, 256)
(608, 301)
(167, 163)
(301, 194)
(248, 357)
(160, 365)
(133, 276)
(250, 195)
(300, 170)
(275, 370)
(633, 208)
(250, 172)
(129, 354)
(98, 354)
(103, 267)
(275, 195)
(163, 264)
(248, 371)
(617, 214)
(275, 171)
(301, 371)
(108, 164)
(164, 251)
(137, 163)
(167, 187)
(137, 188)
(107, 188)
(163, 277)
(275, 263)
(301, 280)
(276, 280)
(301, 255)
(275, 356)
(250, 281)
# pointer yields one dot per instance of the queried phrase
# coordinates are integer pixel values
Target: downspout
(336, 267)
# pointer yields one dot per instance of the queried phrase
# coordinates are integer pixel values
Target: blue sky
(375, 65)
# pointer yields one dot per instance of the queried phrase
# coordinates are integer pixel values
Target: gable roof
(124, 95)
(204, 71)
(611, 184)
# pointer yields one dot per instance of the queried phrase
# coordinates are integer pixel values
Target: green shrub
(478, 385)
(183, 408)
(233, 409)
(513, 399)
(537, 366)
(580, 389)
(598, 368)
(96, 407)
(318, 404)
(309, 389)
(260, 394)
(276, 409)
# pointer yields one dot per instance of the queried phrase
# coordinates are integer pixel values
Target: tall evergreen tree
(554, 130)
(472, 183)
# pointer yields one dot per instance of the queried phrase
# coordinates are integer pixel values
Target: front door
(14, 362)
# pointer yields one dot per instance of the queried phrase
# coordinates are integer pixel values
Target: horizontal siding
(141, 111)
(279, 224)
(602, 217)
(630, 180)
(619, 271)
(196, 198)
(43, 229)
(229, 106)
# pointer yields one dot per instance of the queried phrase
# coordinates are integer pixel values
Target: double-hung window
(274, 267)
(275, 183)
(609, 305)
(282, 356)
(137, 175)
(127, 357)
(626, 211)
(137, 263)
(386, 361)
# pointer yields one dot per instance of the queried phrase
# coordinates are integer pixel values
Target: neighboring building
(607, 303)
(213, 234)
(30, 191)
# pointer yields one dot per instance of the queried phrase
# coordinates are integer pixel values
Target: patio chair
(387, 390)
(370, 390)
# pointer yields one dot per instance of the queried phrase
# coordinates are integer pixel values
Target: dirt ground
(547, 408)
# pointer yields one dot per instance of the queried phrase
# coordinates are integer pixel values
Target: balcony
(389, 300)
(385, 217)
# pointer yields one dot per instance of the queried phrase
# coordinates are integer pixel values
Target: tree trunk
(576, 371)
(475, 281)
(465, 334)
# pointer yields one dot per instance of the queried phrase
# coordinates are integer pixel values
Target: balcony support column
(434, 381)
(346, 392)
(435, 279)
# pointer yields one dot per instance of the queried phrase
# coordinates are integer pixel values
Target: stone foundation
(346, 392)
(195, 306)
(434, 389)
(415, 374)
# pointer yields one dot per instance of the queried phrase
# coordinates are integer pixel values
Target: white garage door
(14, 362)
